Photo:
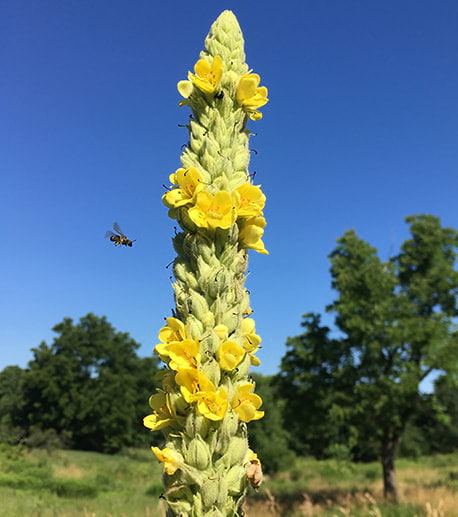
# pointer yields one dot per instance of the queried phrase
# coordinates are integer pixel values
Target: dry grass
(71, 471)
(424, 491)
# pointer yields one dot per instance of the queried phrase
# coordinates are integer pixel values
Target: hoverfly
(121, 239)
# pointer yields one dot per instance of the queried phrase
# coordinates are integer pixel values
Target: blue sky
(361, 131)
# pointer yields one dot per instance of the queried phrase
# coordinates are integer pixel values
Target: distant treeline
(87, 390)
(355, 396)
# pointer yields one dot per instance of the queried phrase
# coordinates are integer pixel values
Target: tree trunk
(389, 476)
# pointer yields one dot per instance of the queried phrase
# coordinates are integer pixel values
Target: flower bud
(199, 306)
(179, 499)
(210, 492)
(197, 506)
(222, 493)
(196, 425)
(235, 479)
(198, 454)
(209, 319)
(195, 328)
(231, 321)
(236, 450)
(179, 270)
(191, 280)
(212, 371)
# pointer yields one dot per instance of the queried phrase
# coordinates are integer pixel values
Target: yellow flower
(184, 354)
(193, 384)
(163, 413)
(230, 355)
(251, 231)
(213, 404)
(189, 182)
(252, 200)
(246, 403)
(172, 332)
(207, 77)
(218, 211)
(171, 459)
(251, 340)
(251, 96)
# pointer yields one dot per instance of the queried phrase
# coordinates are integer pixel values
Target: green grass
(75, 483)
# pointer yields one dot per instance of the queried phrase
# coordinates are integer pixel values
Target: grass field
(75, 483)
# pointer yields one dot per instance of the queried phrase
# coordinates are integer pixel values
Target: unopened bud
(198, 454)
(210, 491)
(234, 479)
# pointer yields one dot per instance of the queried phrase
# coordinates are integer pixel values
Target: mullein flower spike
(210, 342)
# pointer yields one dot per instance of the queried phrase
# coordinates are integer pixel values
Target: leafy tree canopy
(396, 320)
(89, 385)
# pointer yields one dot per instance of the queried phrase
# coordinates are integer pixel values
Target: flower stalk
(210, 342)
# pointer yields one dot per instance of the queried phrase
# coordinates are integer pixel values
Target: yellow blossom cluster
(182, 355)
(207, 77)
(222, 209)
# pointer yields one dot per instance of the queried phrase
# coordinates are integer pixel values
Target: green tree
(316, 383)
(88, 385)
(435, 426)
(396, 323)
(269, 437)
(12, 404)
(444, 434)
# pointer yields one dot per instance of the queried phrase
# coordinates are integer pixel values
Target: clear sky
(361, 130)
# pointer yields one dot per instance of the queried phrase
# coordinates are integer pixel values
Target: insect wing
(117, 228)
(110, 234)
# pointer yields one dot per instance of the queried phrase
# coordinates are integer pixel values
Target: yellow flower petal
(185, 88)
(170, 458)
(173, 331)
(251, 340)
(230, 355)
(189, 182)
(163, 413)
(193, 384)
(155, 422)
(218, 211)
(213, 404)
(254, 360)
(247, 87)
(251, 231)
(221, 331)
(246, 403)
(207, 77)
(252, 200)
(184, 354)
(251, 96)
(202, 68)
